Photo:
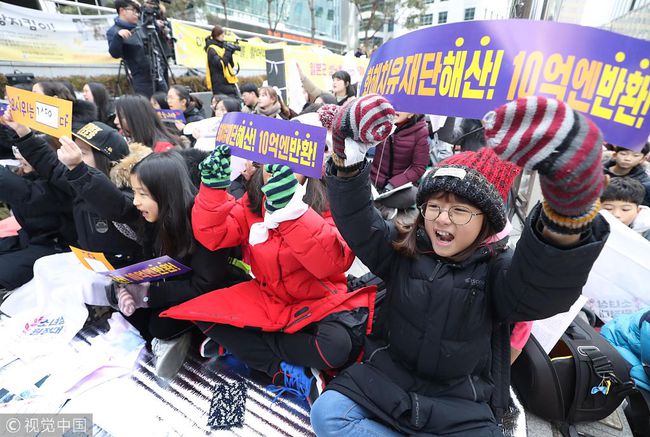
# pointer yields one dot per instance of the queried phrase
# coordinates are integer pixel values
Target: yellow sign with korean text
(45, 114)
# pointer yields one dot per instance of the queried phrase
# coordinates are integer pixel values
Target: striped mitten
(215, 169)
(279, 189)
(564, 146)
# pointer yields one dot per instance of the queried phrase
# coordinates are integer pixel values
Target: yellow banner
(43, 113)
(28, 35)
(190, 48)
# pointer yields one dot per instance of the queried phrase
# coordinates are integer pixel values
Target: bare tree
(279, 10)
(224, 4)
(382, 12)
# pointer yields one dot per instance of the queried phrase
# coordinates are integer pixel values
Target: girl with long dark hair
(140, 124)
(157, 213)
(270, 104)
(97, 93)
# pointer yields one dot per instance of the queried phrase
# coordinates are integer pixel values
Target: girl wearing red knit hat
(436, 367)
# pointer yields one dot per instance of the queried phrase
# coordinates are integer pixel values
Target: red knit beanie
(479, 177)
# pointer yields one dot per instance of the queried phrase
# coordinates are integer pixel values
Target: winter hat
(546, 135)
(103, 138)
(326, 114)
(479, 177)
(368, 119)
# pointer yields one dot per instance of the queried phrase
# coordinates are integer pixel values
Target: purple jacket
(402, 157)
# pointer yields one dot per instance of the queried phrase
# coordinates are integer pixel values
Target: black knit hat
(103, 138)
(479, 177)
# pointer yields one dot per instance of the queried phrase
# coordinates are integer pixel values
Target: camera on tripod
(150, 11)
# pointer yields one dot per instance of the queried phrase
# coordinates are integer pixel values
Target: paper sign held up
(273, 141)
(42, 113)
(145, 271)
(170, 115)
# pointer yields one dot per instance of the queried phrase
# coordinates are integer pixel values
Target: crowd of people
(269, 248)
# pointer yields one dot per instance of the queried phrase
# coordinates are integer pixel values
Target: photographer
(220, 75)
(126, 40)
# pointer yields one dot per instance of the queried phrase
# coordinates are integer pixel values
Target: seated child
(629, 163)
(623, 198)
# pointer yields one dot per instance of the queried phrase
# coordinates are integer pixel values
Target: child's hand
(279, 187)
(360, 124)
(8, 121)
(215, 169)
(69, 153)
(179, 125)
(546, 135)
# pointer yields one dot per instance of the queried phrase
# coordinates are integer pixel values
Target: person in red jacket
(296, 317)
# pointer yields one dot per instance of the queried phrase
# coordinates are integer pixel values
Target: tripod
(155, 55)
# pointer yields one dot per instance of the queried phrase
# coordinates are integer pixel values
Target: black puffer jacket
(43, 211)
(430, 373)
(210, 269)
(94, 231)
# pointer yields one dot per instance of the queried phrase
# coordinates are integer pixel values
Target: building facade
(437, 12)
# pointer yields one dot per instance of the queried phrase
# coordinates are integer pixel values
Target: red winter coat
(402, 157)
(299, 269)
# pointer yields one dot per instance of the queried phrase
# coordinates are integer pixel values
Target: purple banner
(273, 141)
(147, 271)
(467, 69)
(3, 107)
(171, 115)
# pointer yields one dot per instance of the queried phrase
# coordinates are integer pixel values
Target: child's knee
(324, 418)
(334, 345)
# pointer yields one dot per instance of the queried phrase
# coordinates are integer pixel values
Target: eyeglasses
(134, 10)
(458, 215)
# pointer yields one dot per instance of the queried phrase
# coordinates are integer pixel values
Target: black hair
(312, 107)
(350, 90)
(327, 98)
(102, 99)
(183, 93)
(102, 162)
(56, 89)
(140, 122)
(166, 178)
(254, 190)
(249, 88)
(315, 194)
(216, 32)
(645, 149)
(161, 98)
(193, 157)
(624, 190)
(231, 104)
(123, 4)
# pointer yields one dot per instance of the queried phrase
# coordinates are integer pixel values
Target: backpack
(583, 379)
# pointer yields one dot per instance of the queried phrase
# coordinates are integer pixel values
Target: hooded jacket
(429, 372)
(637, 173)
(402, 157)
(43, 210)
(298, 270)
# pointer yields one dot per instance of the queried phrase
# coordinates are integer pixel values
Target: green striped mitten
(215, 169)
(279, 189)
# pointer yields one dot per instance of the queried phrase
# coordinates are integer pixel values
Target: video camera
(150, 11)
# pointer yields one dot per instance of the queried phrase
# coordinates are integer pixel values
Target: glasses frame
(424, 206)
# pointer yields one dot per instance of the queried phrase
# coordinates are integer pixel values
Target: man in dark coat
(127, 41)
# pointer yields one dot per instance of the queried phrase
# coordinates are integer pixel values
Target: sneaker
(307, 383)
(169, 355)
(210, 349)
